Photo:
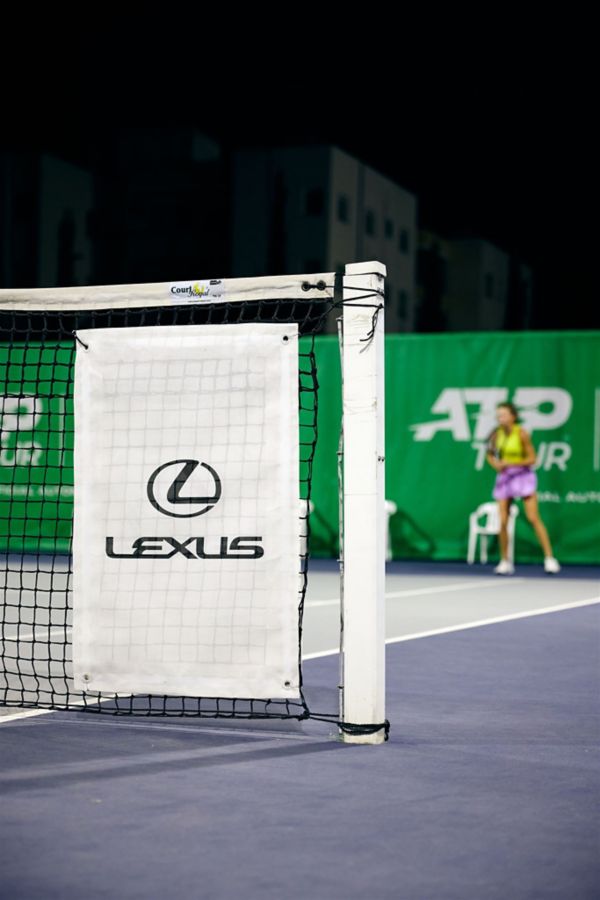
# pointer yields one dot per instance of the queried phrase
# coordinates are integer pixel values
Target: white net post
(364, 517)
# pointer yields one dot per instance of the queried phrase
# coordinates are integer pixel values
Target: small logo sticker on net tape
(197, 291)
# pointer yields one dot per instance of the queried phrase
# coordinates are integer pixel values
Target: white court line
(106, 720)
(55, 631)
(464, 626)
(59, 630)
(417, 592)
(25, 715)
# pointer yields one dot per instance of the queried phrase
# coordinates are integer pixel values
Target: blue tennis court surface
(488, 786)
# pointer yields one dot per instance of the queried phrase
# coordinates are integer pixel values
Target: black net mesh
(37, 355)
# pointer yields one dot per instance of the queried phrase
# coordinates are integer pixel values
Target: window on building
(343, 208)
(403, 242)
(402, 304)
(389, 228)
(443, 274)
(91, 223)
(489, 285)
(370, 222)
(314, 202)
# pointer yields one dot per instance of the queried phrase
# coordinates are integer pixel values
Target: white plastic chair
(306, 508)
(390, 510)
(489, 524)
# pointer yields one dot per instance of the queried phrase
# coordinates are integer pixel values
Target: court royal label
(197, 291)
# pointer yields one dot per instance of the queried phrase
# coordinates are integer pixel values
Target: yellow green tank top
(510, 446)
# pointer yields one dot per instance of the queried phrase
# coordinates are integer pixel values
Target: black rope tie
(376, 307)
(352, 727)
(369, 338)
(79, 341)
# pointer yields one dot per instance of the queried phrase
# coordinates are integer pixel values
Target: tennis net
(41, 335)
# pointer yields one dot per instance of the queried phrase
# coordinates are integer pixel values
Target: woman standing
(511, 454)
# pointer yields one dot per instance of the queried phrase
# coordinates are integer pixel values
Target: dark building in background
(477, 286)
(519, 307)
(470, 284)
(169, 205)
(162, 207)
(46, 206)
(432, 278)
(152, 206)
(313, 209)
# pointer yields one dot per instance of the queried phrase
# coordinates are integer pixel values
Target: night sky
(496, 145)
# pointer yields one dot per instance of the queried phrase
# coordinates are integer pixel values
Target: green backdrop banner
(441, 394)
(36, 447)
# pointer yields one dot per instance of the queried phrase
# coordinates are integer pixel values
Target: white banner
(186, 532)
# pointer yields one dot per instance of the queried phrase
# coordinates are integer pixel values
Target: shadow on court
(125, 751)
(488, 787)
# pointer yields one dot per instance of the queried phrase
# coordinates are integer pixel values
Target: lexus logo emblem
(167, 488)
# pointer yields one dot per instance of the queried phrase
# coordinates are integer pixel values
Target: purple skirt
(515, 481)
